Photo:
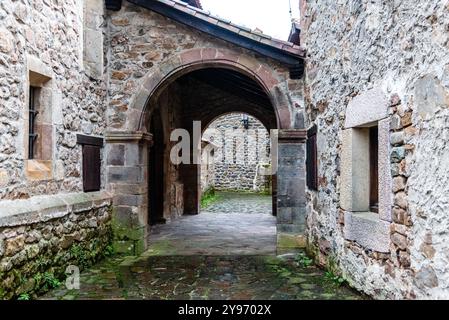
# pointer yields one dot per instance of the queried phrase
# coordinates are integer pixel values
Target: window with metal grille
(91, 162)
(312, 162)
(32, 135)
(374, 169)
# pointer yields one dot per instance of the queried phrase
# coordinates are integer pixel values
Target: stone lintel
(44, 208)
(366, 108)
(292, 135)
(38, 72)
(128, 137)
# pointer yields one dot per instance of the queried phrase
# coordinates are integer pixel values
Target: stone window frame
(93, 38)
(370, 230)
(40, 76)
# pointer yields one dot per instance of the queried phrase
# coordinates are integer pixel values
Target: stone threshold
(44, 208)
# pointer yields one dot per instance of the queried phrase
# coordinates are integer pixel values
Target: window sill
(367, 229)
(38, 170)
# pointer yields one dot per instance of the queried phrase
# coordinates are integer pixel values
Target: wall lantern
(245, 121)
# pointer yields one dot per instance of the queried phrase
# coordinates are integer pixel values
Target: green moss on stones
(209, 196)
(40, 273)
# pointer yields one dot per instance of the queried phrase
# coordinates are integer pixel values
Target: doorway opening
(156, 181)
(236, 166)
(203, 95)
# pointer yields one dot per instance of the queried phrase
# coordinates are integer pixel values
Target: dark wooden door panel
(91, 168)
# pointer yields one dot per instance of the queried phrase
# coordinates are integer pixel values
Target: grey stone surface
(125, 174)
(45, 208)
(384, 171)
(430, 95)
(116, 154)
(291, 186)
(366, 108)
(239, 155)
(217, 234)
(368, 230)
(93, 38)
(354, 194)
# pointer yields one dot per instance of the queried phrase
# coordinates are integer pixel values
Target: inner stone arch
(199, 96)
(236, 155)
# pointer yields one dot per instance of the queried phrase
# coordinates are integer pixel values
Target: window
(365, 199)
(91, 162)
(312, 161)
(374, 171)
(32, 135)
(38, 122)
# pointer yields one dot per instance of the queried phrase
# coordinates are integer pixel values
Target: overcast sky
(271, 16)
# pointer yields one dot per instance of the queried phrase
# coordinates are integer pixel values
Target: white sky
(271, 16)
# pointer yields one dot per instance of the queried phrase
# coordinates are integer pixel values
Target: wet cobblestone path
(219, 254)
(231, 202)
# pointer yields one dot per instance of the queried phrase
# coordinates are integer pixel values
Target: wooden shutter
(91, 162)
(311, 162)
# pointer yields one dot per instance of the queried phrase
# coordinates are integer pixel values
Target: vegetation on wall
(209, 196)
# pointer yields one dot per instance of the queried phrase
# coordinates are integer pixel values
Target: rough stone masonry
(371, 66)
(241, 155)
(74, 73)
(46, 221)
(383, 62)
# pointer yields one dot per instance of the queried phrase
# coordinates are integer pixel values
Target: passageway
(226, 252)
(235, 224)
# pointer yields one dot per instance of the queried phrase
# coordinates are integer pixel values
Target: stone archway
(128, 149)
(200, 58)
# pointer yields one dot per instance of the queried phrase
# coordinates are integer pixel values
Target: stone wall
(41, 43)
(147, 53)
(146, 46)
(41, 236)
(240, 154)
(57, 47)
(401, 51)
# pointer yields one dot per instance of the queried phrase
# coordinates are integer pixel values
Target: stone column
(127, 179)
(291, 183)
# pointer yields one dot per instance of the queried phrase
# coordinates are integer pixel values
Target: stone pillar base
(127, 180)
(291, 183)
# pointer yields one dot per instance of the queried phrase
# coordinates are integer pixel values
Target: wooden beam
(89, 140)
(239, 92)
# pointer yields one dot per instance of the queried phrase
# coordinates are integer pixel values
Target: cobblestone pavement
(216, 234)
(230, 202)
(213, 255)
(206, 277)
(219, 230)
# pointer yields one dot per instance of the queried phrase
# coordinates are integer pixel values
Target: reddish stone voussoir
(198, 58)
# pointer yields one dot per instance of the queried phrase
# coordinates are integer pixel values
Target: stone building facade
(90, 92)
(241, 153)
(383, 65)
(44, 213)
